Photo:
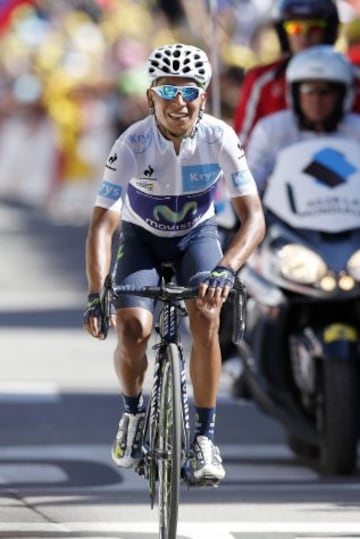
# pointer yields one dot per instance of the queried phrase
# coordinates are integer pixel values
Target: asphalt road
(59, 408)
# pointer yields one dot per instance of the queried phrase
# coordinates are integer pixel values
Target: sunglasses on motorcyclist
(310, 89)
(169, 92)
(304, 27)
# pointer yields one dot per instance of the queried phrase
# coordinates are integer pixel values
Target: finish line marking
(196, 530)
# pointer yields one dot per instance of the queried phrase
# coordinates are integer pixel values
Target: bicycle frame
(166, 433)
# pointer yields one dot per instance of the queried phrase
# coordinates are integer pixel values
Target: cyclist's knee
(133, 325)
(204, 321)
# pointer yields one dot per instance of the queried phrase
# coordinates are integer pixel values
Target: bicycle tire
(169, 443)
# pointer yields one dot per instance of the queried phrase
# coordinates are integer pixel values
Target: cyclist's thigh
(202, 253)
(134, 266)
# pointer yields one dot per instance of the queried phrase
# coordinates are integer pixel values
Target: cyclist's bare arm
(98, 253)
(250, 233)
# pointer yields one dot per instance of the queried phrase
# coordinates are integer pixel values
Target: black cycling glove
(94, 309)
(220, 277)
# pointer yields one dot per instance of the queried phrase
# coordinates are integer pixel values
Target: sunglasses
(169, 92)
(309, 89)
(304, 27)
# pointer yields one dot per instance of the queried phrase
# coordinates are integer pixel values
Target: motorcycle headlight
(300, 264)
(353, 265)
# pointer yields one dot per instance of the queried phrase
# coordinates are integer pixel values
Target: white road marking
(196, 530)
(11, 391)
(23, 463)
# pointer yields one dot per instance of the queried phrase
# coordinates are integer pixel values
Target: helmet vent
(176, 65)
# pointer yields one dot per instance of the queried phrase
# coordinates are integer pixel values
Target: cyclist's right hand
(94, 319)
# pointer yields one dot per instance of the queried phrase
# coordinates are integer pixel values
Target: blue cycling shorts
(140, 254)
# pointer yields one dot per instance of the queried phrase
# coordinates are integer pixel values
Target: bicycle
(166, 433)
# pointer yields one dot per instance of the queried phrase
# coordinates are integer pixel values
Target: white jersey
(280, 130)
(169, 194)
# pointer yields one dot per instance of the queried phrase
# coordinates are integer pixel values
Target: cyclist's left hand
(216, 286)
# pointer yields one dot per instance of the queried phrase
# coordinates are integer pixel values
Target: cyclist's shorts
(140, 254)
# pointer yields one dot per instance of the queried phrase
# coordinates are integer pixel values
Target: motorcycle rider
(299, 24)
(320, 93)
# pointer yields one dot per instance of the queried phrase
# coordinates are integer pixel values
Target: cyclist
(321, 92)
(160, 178)
(299, 24)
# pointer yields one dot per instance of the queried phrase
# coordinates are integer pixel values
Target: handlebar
(167, 292)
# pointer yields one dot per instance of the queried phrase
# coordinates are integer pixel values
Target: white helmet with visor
(322, 63)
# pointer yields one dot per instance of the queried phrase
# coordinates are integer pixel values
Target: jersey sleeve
(233, 162)
(120, 167)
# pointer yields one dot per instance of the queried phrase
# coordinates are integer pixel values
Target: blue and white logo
(330, 167)
(110, 190)
(196, 177)
(140, 142)
(241, 178)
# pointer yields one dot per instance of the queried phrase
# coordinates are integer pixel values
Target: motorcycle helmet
(179, 60)
(321, 63)
(307, 9)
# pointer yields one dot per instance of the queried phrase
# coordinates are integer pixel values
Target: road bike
(166, 440)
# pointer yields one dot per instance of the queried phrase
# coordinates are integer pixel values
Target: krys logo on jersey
(199, 177)
(315, 184)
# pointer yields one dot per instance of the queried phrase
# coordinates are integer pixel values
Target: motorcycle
(301, 351)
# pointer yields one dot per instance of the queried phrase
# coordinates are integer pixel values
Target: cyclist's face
(176, 116)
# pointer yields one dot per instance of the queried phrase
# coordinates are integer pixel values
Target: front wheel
(169, 443)
(339, 414)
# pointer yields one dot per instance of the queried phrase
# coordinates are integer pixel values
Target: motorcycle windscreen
(316, 185)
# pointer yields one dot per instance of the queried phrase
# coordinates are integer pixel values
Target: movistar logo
(172, 216)
(222, 273)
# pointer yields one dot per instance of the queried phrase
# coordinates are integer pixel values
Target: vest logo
(140, 142)
(110, 162)
(143, 184)
(175, 217)
(241, 178)
(110, 190)
(198, 177)
(148, 172)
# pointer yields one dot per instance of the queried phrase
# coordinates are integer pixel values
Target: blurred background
(72, 78)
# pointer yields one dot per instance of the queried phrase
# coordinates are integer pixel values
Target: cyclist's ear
(203, 101)
(150, 101)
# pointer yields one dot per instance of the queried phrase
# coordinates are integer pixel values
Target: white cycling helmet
(179, 60)
(322, 63)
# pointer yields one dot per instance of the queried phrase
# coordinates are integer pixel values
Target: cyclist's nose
(179, 98)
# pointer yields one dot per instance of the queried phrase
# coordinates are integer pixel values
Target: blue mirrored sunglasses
(169, 92)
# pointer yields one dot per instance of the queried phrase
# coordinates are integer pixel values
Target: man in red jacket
(300, 24)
